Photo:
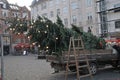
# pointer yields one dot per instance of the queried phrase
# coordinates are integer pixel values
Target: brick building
(8, 10)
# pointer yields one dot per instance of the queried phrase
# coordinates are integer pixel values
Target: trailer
(97, 59)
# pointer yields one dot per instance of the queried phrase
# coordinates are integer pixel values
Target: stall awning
(22, 45)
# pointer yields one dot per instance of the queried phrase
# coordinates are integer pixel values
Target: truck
(96, 58)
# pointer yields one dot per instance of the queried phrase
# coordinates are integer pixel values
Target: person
(117, 48)
(24, 52)
(36, 49)
(55, 69)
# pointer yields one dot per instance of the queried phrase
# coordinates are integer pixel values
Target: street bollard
(0, 77)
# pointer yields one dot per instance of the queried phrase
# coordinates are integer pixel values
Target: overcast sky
(21, 2)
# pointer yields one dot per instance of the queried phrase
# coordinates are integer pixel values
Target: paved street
(30, 68)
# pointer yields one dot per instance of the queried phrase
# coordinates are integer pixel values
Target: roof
(5, 1)
(34, 2)
(24, 9)
(14, 7)
(2, 2)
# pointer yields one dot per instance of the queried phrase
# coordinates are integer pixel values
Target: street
(31, 68)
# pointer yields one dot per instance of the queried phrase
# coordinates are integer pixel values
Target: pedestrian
(117, 48)
(36, 49)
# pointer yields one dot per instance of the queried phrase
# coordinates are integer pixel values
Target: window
(51, 14)
(117, 6)
(58, 11)
(1, 5)
(4, 6)
(6, 39)
(65, 10)
(64, 1)
(0, 26)
(74, 5)
(43, 6)
(17, 40)
(66, 22)
(4, 14)
(89, 16)
(89, 3)
(51, 3)
(74, 18)
(37, 8)
(117, 24)
(57, 1)
(24, 15)
(44, 15)
(12, 14)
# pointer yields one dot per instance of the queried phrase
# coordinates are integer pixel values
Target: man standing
(117, 48)
(36, 49)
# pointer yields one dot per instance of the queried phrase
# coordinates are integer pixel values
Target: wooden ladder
(76, 45)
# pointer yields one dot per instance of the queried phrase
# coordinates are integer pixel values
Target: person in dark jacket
(117, 48)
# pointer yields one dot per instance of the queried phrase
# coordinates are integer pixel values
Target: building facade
(9, 11)
(101, 16)
(109, 17)
(79, 12)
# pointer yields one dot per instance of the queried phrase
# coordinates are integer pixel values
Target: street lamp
(2, 57)
(55, 43)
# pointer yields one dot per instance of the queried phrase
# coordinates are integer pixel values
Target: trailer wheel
(93, 68)
(72, 68)
(114, 64)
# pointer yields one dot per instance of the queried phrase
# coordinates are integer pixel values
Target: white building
(79, 12)
(83, 13)
(109, 17)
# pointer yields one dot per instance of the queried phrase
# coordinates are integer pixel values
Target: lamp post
(55, 43)
(2, 58)
(11, 41)
(1, 51)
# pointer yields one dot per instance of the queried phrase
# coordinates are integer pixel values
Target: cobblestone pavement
(30, 68)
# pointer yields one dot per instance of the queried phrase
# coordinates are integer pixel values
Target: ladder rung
(81, 76)
(72, 61)
(72, 64)
(72, 72)
(77, 39)
(78, 65)
(77, 60)
(78, 48)
(83, 66)
(83, 60)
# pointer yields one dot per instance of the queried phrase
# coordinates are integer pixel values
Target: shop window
(117, 24)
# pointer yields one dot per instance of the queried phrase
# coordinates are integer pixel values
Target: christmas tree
(53, 36)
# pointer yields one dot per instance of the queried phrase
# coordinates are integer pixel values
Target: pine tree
(54, 37)
(19, 25)
(90, 40)
(50, 36)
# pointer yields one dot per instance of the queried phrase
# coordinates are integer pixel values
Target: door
(6, 49)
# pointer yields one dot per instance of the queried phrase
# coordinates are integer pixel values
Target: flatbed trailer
(96, 58)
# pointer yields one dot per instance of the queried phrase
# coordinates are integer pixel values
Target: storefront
(6, 43)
